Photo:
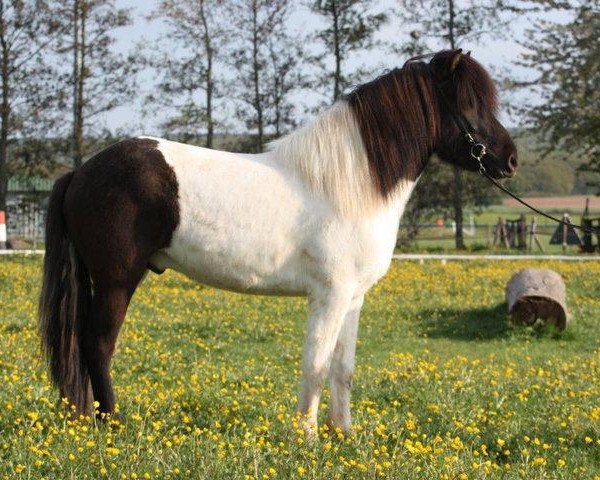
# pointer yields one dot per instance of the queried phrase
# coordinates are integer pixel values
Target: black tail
(64, 303)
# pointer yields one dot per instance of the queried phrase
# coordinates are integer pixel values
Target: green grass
(445, 386)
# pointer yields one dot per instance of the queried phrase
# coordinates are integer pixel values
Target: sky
(496, 52)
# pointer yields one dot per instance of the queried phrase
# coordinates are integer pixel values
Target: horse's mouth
(499, 173)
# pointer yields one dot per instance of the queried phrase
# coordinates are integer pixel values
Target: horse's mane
(399, 121)
(382, 133)
(330, 156)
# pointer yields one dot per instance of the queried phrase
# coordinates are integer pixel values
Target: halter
(479, 150)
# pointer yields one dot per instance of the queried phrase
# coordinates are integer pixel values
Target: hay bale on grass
(537, 293)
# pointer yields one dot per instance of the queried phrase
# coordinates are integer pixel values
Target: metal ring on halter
(478, 151)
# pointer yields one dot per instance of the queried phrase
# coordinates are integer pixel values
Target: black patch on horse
(105, 221)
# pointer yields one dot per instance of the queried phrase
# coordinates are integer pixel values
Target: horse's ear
(446, 62)
(455, 59)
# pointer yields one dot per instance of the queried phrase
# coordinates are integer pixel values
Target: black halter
(479, 150)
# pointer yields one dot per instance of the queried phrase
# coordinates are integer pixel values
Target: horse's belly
(253, 250)
(230, 271)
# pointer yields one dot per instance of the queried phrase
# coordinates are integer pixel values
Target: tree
(566, 57)
(99, 79)
(350, 27)
(195, 27)
(285, 76)
(433, 198)
(263, 69)
(26, 30)
(448, 24)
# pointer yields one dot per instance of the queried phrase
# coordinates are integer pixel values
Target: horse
(315, 215)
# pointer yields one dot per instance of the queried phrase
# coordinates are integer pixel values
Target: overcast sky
(494, 52)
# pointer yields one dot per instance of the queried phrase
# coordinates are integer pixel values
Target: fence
(477, 237)
(26, 219)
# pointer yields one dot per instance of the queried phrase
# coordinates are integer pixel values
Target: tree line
(218, 60)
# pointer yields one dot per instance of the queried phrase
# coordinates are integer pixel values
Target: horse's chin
(498, 174)
(495, 172)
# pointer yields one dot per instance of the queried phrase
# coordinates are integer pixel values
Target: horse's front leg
(342, 368)
(327, 313)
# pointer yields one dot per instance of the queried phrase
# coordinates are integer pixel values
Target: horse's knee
(342, 381)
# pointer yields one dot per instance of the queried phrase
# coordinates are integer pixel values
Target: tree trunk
(256, 79)
(277, 99)
(457, 199)
(337, 52)
(78, 80)
(533, 294)
(209, 80)
(4, 113)
(459, 239)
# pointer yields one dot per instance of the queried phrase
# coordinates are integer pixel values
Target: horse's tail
(64, 303)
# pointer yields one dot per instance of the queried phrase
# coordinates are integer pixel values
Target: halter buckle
(478, 151)
(482, 170)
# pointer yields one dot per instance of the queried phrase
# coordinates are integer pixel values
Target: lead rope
(478, 151)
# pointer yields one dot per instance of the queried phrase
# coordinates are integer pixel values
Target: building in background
(27, 203)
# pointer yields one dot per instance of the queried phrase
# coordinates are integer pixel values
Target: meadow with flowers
(445, 386)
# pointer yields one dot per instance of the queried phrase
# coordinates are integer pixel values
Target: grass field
(445, 387)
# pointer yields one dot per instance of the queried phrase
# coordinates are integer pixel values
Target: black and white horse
(316, 216)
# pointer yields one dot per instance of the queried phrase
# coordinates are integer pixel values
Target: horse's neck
(330, 157)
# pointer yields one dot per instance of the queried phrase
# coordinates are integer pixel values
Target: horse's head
(468, 105)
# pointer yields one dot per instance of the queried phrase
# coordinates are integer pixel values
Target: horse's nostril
(513, 163)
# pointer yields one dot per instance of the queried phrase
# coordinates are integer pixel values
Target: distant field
(576, 202)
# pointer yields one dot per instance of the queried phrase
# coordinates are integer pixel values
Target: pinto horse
(315, 216)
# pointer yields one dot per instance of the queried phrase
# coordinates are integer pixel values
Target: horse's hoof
(338, 431)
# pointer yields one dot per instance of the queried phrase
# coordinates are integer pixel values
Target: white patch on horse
(331, 157)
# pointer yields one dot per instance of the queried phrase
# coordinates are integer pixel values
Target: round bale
(537, 293)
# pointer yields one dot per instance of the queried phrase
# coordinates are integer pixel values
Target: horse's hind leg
(120, 208)
(99, 336)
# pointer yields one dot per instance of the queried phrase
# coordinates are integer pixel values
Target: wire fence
(482, 237)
